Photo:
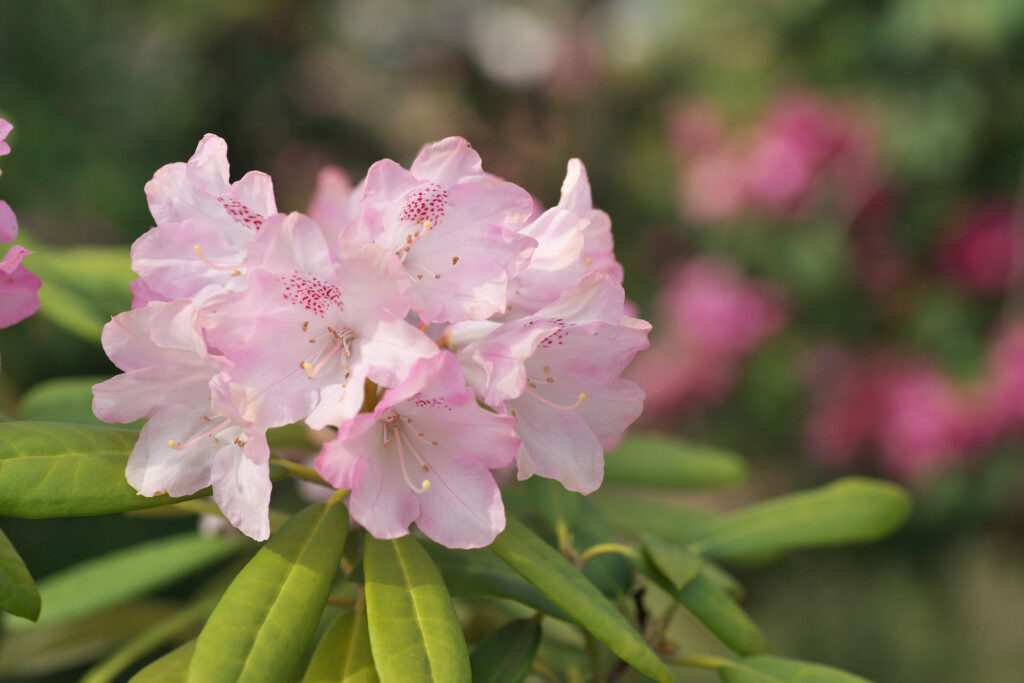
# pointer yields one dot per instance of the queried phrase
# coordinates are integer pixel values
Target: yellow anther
(427, 225)
(425, 485)
(172, 443)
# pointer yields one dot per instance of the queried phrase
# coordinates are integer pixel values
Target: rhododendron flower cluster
(712, 317)
(19, 288)
(432, 317)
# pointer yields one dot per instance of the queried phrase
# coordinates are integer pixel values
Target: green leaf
(50, 469)
(343, 653)
(721, 615)
(565, 585)
(18, 593)
(66, 399)
(505, 656)
(634, 515)
(479, 574)
(561, 508)
(261, 627)
(851, 510)
(114, 579)
(83, 287)
(679, 565)
(667, 462)
(765, 669)
(413, 628)
(171, 668)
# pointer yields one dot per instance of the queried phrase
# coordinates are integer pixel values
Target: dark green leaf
(110, 580)
(171, 668)
(413, 628)
(263, 624)
(18, 593)
(679, 565)
(851, 510)
(721, 615)
(561, 508)
(766, 669)
(566, 586)
(50, 469)
(668, 462)
(343, 653)
(505, 656)
(479, 574)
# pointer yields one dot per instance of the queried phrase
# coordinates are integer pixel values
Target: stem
(626, 551)
(340, 601)
(699, 661)
(298, 471)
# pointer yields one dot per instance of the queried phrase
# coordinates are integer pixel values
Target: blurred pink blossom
(712, 316)
(979, 252)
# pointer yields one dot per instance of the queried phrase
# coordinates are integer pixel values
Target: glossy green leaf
(721, 615)
(479, 574)
(678, 564)
(667, 462)
(765, 669)
(49, 648)
(50, 469)
(851, 510)
(343, 653)
(171, 668)
(114, 579)
(634, 515)
(83, 286)
(505, 656)
(565, 585)
(266, 618)
(18, 592)
(413, 628)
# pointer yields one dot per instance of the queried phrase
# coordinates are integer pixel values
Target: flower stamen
(234, 270)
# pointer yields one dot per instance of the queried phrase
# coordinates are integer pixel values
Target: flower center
(399, 430)
(240, 213)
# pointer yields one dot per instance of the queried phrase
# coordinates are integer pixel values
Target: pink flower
(980, 253)
(598, 245)
(196, 435)
(204, 226)
(557, 372)
(423, 455)
(1002, 393)
(335, 203)
(453, 228)
(309, 329)
(19, 289)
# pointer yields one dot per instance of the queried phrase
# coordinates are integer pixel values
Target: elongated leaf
(261, 627)
(479, 574)
(413, 628)
(668, 462)
(634, 515)
(343, 653)
(50, 469)
(171, 668)
(67, 399)
(114, 579)
(851, 510)
(564, 585)
(721, 615)
(83, 286)
(765, 669)
(679, 565)
(18, 593)
(505, 656)
(48, 648)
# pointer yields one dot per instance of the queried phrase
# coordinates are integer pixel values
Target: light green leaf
(505, 656)
(565, 585)
(668, 462)
(851, 510)
(114, 579)
(50, 469)
(18, 593)
(171, 668)
(721, 615)
(634, 515)
(66, 399)
(48, 648)
(343, 653)
(479, 574)
(413, 628)
(679, 565)
(263, 624)
(765, 669)
(83, 286)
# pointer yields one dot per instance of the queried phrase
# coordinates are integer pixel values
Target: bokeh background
(817, 202)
